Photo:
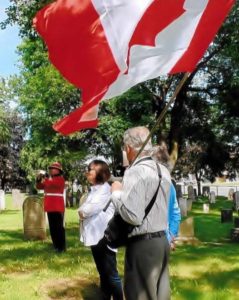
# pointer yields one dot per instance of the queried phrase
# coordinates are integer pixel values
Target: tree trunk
(199, 187)
(3, 183)
(175, 133)
(198, 178)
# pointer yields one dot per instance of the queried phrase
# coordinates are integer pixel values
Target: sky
(8, 43)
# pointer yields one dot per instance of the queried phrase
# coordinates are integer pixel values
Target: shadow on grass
(38, 254)
(74, 289)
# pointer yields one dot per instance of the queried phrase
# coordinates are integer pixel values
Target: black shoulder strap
(151, 203)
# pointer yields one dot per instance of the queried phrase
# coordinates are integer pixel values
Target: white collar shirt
(95, 220)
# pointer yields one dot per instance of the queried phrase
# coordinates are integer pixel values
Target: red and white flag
(104, 47)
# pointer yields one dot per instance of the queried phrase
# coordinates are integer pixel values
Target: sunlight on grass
(31, 270)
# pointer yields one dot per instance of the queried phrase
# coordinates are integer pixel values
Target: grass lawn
(31, 270)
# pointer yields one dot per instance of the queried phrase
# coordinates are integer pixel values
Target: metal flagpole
(163, 113)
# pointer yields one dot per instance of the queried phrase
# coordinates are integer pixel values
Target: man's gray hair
(136, 136)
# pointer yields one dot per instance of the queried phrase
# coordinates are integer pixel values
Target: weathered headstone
(186, 232)
(212, 197)
(205, 190)
(230, 194)
(191, 194)
(235, 235)
(226, 215)
(179, 193)
(206, 208)
(236, 200)
(2, 200)
(34, 219)
(195, 193)
(183, 206)
(189, 204)
(236, 222)
(17, 198)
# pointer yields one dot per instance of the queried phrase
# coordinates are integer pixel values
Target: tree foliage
(11, 174)
(204, 115)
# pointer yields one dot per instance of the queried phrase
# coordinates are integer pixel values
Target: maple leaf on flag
(106, 47)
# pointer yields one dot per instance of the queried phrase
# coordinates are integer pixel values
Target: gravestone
(195, 193)
(179, 193)
(226, 215)
(235, 235)
(17, 198)
(183, 206)
(230, 194)
(186, 232)
(212, 197)
(236, 222)
(205, 191)
(236, 201)
(189, 204)
(34, 219)
(2, 200)
(191, 194)
(206, 208)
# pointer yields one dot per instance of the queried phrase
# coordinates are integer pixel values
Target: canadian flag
(104, 47)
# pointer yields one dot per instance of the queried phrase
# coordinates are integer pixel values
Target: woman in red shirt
(54, 204)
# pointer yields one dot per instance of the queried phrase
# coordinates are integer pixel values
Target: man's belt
(147, 236)
(54, 194)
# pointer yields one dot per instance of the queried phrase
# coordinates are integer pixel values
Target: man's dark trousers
(146, 270)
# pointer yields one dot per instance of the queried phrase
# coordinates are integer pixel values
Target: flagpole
(163, 113)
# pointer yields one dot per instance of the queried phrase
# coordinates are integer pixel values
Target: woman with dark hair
(93, 224)
(53, 187)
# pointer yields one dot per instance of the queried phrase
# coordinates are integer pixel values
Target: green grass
(31, 270)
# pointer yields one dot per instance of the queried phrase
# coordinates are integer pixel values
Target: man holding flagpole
(146, 260)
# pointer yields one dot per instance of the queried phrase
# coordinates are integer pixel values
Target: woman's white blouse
(95, 219)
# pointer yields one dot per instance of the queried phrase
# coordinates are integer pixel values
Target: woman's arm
(96, 204)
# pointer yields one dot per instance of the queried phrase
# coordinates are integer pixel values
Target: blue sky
(8, 42)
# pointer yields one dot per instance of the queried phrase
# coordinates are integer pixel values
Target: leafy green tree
(201, 114)
(11, 174)
(4, 128)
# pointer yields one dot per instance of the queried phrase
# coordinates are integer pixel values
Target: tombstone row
(2, 200)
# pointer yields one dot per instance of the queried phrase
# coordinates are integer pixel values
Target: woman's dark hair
(102, 173)
(160, 153)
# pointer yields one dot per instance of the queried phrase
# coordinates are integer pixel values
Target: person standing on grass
(54, 203)
(161, 155)
(93, 224)
(146, 275)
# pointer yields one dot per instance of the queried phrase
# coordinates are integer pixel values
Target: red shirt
(51, 186)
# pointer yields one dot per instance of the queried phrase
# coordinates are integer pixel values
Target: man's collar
(142, 158)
